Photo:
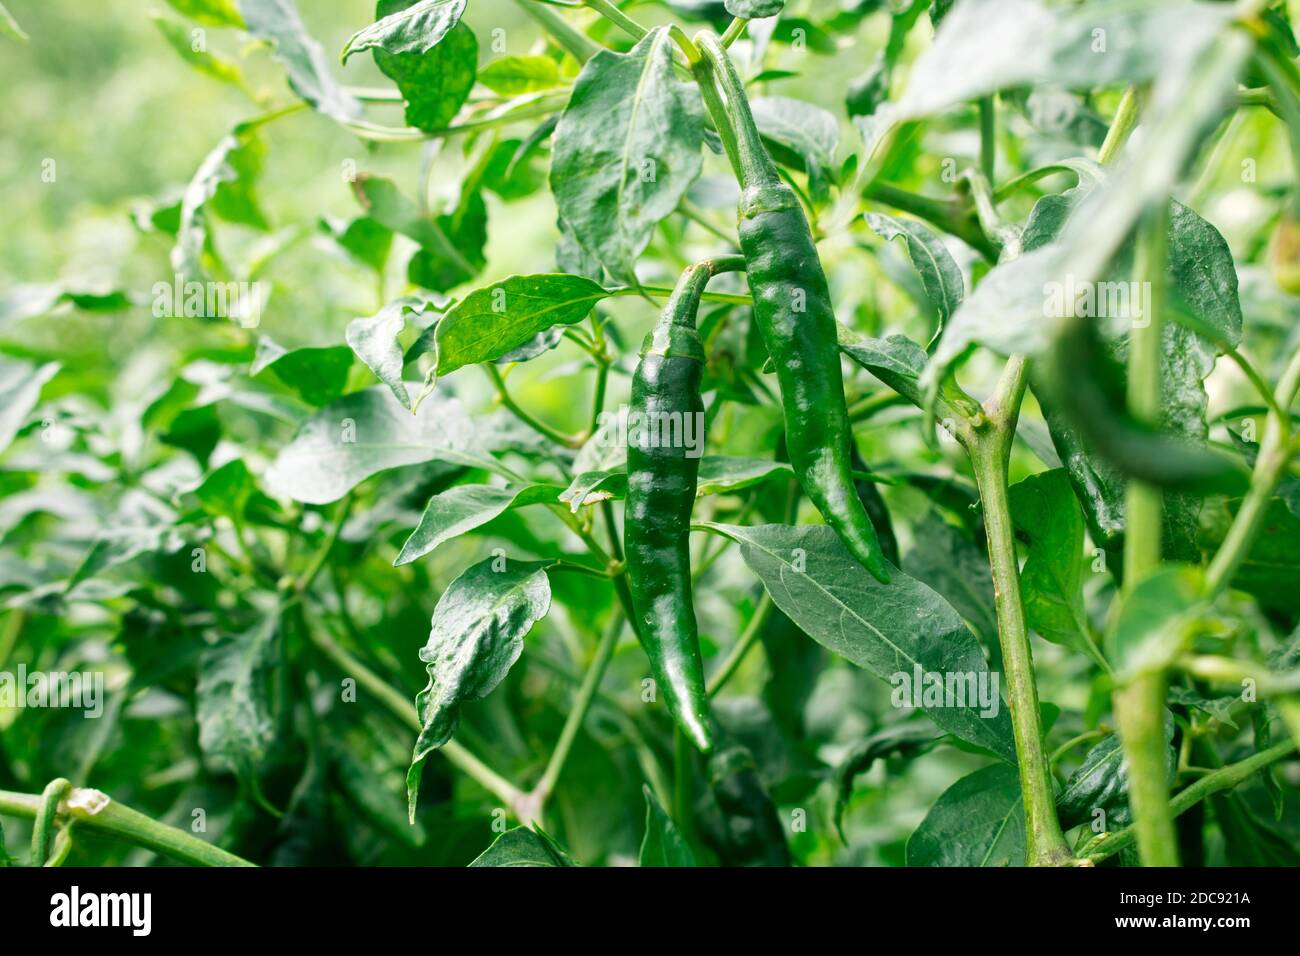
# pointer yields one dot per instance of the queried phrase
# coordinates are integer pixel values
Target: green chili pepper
(661, 481)
(792, 305)
(743, 827)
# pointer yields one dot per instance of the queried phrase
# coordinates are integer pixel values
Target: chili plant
(980, 547)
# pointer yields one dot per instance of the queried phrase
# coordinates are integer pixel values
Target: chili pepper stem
(989, 447)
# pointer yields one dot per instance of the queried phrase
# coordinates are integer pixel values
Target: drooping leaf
(374, 339)
(211, 13)
(897, 360)
(1102, 783)
(940, 274)
(363, 434)
(366, 240)
(515, 75)
(902, 740)
(434, 84)
(1048, 522)
(234, 698)
(663, 844)
(20, 390)
(279, 23)
(411, 28)
(476, 635)
(800, 134)
(978, 821)
(318, 375)
(627, 148)
(890, 630)
(462, 508)
(523, 847)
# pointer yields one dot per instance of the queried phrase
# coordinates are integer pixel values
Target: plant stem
(988, 443)
(748, 638)
(578, 711)
(579, 44)
(401, 707)
(617, 17)
(1275, 453)
(1217, 781)
(988, 137)
(93, 810)
(1120, 127)
(554, 434)
(1139, 705)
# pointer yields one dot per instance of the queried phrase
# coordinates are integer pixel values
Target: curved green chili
(43, 832)
(661, 480)
(792, 305)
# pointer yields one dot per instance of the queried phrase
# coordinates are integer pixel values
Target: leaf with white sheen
(317, 374)
(435, 84)
(229, 166)
(32, 299)
(279, 23)
(801, 134)
(523, 847)
(490, 322)
(940, 275)
(753, 9)
(476, 635)
(886, 629)
(627, 148)
(374, 339)
(978, 821)
(416, 29)
(662, 844)
(365, 433)
(985, 46)
(233, 695)
(20, 389)
(461, 509)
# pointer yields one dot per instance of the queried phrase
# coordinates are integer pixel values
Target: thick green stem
(989, 444)
(988, 137)
(1140, 704)
(1215, 782)
(579, 44)
(617, 17)
(93, 810)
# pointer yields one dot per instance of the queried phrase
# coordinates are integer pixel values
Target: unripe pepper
(661, 485)
(793, 309)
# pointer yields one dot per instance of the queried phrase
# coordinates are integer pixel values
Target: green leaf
(20, 390)
(523, 847)
(627, 148)
(1102, 783)
(978, 821)
(663, 844)
(516, 75)
(1155, 620)
(476, 635)
(365, 433)
(435, 84)
(451, 246)
(902, 740)
(985, 46)
(317, 375)
(948, 561)
(889, 630)
(279, 23)
(1048, 522)
(225, 491)
(463, 508)
(374, 339)
(9, 26)
(897, 360)
(181, 39)
(227, 171)
(940, 275)
(753, 9)
(800, 135)
(30, 300)
(415, 28)
(233, 698)
(210, 13)
(366, 240)
(492, 321)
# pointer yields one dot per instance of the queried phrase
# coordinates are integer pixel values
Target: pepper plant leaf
(978, 821)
